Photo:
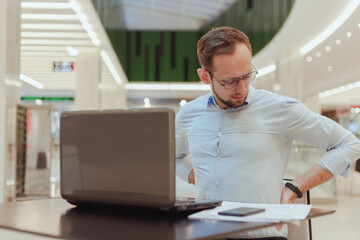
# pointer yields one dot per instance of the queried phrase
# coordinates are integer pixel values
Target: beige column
(12, 94)
(113, 96)
(88, 70)
(3, 21)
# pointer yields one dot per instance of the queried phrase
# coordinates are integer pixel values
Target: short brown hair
(217, 41)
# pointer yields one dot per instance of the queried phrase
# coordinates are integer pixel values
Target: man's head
(225, 56)
(218, 41)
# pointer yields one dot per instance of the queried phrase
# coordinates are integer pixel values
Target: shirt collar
(211, 101)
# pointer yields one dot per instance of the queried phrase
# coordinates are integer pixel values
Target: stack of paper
(273, 212)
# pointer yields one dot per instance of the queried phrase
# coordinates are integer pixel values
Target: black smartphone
(242, 211)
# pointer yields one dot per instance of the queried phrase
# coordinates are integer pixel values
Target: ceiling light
(309, 59)
(332, 28)
(39, 102)
(328, 48)
(348, 34)
(168, 86)
(72, 51)
(75, 5)
(66, 42)
(339, 89)
(329, 68)
(82, 17)
(26, 16)
(318, 54)
(359, 25)
(92, 34)
(51, 26)
(87, 26)
(110, 66)
(60, 35)
(266, 70)
(276, 87)
(183, 102)
(31, 81)
(30, 5)
(338, 41)
(96, 41)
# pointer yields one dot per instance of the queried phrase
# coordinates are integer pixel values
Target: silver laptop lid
(118, 156)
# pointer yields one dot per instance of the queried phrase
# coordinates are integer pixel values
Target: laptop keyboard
(185, 201)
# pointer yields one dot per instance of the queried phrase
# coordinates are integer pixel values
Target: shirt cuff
(330, 161)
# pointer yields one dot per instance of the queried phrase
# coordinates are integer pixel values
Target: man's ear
(203, 75)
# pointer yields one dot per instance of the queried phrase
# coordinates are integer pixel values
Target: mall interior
(64, 55)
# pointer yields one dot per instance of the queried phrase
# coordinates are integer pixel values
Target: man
(234, 143)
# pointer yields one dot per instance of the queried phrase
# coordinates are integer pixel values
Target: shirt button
(218, 184)
(220, 133)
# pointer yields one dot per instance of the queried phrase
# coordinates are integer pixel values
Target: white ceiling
(338, 64)
(48, 28)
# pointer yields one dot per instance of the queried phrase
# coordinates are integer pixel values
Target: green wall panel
(157, 55)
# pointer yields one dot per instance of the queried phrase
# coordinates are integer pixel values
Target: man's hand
(287, 197)
(191, 177)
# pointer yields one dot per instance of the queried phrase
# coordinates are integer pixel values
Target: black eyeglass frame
(237, 79)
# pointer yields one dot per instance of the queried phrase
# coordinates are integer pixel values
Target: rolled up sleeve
(342, 147)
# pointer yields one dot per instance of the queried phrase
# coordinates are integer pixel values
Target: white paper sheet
(273, 212)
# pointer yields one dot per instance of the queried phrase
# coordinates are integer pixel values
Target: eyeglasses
(230, 83)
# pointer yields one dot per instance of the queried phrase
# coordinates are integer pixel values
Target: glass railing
(302, 158)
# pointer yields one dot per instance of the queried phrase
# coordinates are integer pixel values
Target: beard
(229, 103)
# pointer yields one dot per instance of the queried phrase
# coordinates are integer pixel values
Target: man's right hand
(191, 177)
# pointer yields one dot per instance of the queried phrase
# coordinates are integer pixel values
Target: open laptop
(122, 157)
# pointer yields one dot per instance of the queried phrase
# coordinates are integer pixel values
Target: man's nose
(240, 85)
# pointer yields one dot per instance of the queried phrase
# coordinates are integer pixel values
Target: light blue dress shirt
(241, 154)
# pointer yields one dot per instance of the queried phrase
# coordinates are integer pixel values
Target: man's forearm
(312, 178)
(306, 181)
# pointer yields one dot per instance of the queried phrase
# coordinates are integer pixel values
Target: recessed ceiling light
(276, 87)
(309, 59)
(72, 51)
(31, 81)
(32, 5)
(348, 34)
(329, 68)
(266, 70)
(359, 25)
(338, 41)
(328, 48)
(48, 16)
(318, 54)
(48, 26)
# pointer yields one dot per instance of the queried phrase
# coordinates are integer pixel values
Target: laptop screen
(118, 156)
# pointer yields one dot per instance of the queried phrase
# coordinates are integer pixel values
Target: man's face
(228, 66)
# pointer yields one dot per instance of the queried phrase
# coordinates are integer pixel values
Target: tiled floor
(343, 224)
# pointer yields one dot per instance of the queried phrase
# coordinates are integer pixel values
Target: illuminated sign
(63, 66)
